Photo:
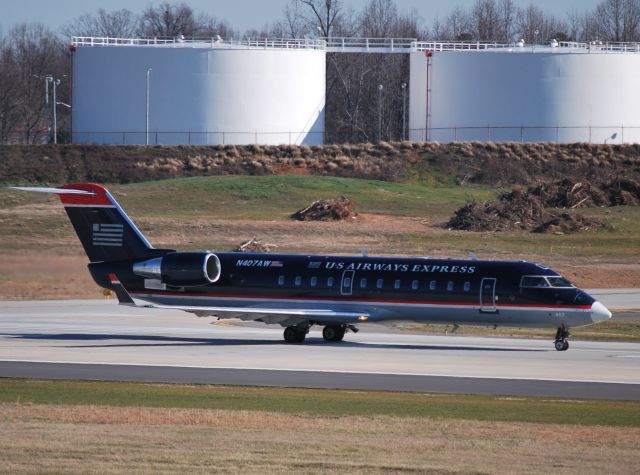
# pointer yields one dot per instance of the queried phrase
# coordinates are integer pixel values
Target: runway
(99, 340)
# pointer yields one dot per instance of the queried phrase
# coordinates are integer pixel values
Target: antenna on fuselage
(363, 252)
(473, 256)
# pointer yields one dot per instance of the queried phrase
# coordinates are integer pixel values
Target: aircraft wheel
(294, 334)
(561, 345)
(333, 332)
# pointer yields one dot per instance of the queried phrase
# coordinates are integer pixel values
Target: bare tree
(618, 20)
(507, 13)
(485, 20)
(30, 52)
(326, 15)
(168, 20)
(537, 26)
(113, 24)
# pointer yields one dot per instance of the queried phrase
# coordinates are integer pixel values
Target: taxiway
(101, 340)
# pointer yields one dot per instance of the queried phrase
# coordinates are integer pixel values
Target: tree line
(366, 93)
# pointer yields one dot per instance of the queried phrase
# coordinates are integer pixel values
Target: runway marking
(308, 370)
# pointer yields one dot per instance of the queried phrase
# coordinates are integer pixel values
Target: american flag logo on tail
(107, 235)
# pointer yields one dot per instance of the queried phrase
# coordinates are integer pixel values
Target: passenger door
(346, 286)
(488, 295)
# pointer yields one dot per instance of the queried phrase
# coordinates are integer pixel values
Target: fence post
(522, 134)
(156, 137)
(589, 134)
(557, 133)
(123, 139)
(189, 136)
(455, 134)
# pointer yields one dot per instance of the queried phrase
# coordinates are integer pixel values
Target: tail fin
(105, 230)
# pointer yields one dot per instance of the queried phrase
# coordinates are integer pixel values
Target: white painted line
(309, 370)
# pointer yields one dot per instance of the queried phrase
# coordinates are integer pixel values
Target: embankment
(486, 163)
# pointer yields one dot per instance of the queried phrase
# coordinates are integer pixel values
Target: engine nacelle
(181, 269)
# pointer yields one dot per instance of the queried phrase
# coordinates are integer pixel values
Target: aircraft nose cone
(599, 312)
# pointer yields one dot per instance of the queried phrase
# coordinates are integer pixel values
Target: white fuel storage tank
(576, 93)
(198, 93)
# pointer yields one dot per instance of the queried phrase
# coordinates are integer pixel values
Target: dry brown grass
(472, 161)
(80, 439)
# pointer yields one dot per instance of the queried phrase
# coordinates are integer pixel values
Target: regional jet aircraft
(336, 292)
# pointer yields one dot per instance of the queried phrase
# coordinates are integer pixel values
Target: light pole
(146, 128)
(380, 88)
(404, 110)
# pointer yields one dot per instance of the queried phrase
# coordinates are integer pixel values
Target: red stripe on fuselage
(357, 300)
(100, 196)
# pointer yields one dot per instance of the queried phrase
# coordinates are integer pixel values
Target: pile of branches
(566, 223)
(327, 210)
(255, 245)
(573, 194)
(519, 210)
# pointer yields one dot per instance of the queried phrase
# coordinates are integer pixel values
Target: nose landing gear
(561, 342)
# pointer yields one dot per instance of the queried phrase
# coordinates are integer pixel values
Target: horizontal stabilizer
(57, 191)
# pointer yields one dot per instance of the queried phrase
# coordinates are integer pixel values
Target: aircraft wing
(325, 315)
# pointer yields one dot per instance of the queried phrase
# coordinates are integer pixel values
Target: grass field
(75, 427)
(220, 212)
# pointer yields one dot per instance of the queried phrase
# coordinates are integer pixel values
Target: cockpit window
(560, 282)
(534, 281)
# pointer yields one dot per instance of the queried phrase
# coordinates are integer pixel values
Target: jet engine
(181, 269)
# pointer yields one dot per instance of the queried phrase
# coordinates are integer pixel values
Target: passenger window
(450, 286)
(314, 281)
(330, 281)
(298, 281)
(414, 285)
(363, 283)
(433, 285)
(379, 283)
(467, 286)
(281, 280)
(396, 284)
(347, 282)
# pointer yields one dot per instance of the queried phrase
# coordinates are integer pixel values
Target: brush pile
(327, 210)
(255, 245)
(573, 194)
(520, 210)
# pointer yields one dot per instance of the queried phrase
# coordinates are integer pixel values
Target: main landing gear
(295, 334)
(561, 342)
(332, 333)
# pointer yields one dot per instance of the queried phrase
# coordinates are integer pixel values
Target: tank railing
(354, 45)
(217, 42)
(350, 44)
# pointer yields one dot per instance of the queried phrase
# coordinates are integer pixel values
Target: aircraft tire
(293, 334)
(561, 345)
(333, 333)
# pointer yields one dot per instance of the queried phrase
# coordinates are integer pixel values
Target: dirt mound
(327, 210)
(512, 211)
(255, 245)
(566, 223)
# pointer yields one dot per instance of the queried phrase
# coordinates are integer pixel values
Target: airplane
(337, 292)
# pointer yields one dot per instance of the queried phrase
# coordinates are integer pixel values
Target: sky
(241, 14)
